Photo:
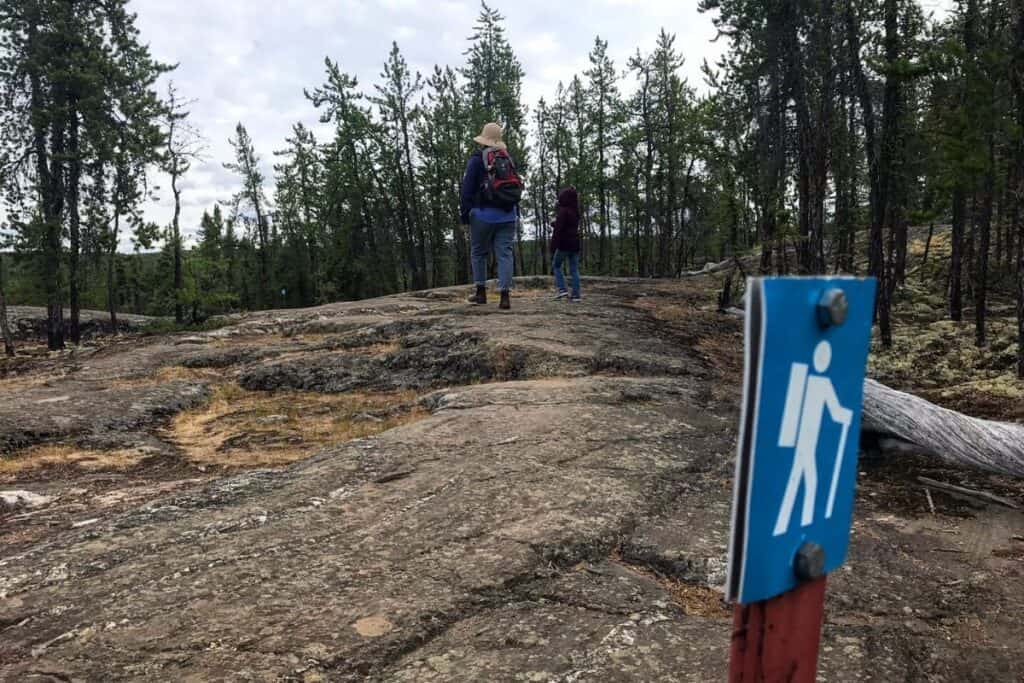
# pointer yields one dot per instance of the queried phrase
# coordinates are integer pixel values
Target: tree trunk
(981, 297)
(958, 439)
(956, 288)
(74, 221)
(5, 329)
(415, 213)
(51, 192)
(266, 297)
(1018, 204)
(927, 248)
(111, 265)
(179, 306)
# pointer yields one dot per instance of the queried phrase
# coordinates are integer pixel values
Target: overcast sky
(249, 61)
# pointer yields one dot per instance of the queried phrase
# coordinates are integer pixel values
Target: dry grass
(68, 457)
(696, 323)
(241, 428)
(662, 310)
(165, 375)
(694, 600)
(27, 381)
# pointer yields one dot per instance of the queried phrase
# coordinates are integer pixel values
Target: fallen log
(708, 269)
(956, 438)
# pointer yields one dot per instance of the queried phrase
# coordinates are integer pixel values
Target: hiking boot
(506, 301)
(480, 297)
(561, 295)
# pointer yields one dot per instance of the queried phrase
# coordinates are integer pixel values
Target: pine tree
(494, 76)
(299, 199)
(251, 198)
(400, 114)
(72, 74)
(183, 146)
(440, 143)
(363, 263)
(603, 96)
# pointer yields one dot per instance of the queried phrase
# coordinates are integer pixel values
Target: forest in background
(826, 131)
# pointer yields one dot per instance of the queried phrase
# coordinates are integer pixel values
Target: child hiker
(565, 243)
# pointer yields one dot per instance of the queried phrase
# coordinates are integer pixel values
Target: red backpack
(502, 186)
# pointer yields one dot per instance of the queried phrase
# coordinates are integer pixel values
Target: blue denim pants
(574, 270)
(499, 236)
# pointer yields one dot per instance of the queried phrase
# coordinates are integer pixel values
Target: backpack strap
(488, 151)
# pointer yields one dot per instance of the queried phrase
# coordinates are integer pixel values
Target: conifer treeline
(827, 130)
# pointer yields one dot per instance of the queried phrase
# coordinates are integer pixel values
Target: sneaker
(506, 301)
(576, 298)
(561, 295)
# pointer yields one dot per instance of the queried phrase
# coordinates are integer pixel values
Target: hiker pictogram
(807, 398)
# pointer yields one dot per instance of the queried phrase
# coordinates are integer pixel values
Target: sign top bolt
(833, 308)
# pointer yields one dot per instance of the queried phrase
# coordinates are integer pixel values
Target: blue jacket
(471, 204)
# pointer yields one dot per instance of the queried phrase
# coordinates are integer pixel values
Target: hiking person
(565, 243)
(491, 190)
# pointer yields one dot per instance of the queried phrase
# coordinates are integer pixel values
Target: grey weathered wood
(956, 438)
(969, 493)
(710, 268)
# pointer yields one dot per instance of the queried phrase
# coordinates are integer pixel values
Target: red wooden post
(776, 640)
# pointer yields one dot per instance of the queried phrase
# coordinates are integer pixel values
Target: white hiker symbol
(806, 400)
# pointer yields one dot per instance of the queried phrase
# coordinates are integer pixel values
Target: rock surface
(29, 322)
(556, 511)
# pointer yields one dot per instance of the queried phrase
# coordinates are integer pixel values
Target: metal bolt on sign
(833, 308)
(810, 562)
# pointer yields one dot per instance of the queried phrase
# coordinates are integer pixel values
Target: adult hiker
(491, 190)
(565, 243)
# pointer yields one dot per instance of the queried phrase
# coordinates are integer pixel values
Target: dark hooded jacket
(566, 235)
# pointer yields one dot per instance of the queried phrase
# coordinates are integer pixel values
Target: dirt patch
(63, 456)
(172, 373)
(373, 627)
(242, 428)
(694, 600)
(691, 319)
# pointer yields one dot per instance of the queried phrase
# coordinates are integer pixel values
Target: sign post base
(776, 640)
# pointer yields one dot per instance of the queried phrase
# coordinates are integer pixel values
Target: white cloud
(541, 44)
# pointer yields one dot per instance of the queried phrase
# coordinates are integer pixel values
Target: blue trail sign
(807, 341)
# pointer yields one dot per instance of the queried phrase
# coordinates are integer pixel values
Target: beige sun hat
(490, 137)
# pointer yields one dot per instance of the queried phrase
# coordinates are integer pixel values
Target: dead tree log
(709, 268)
(956, 438)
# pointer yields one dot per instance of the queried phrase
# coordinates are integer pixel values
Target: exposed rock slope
(551, 504)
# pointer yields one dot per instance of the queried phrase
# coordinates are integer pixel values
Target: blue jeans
(502, 237)
(574, 270)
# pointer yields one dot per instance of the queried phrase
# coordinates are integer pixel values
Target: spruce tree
(251, 197)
